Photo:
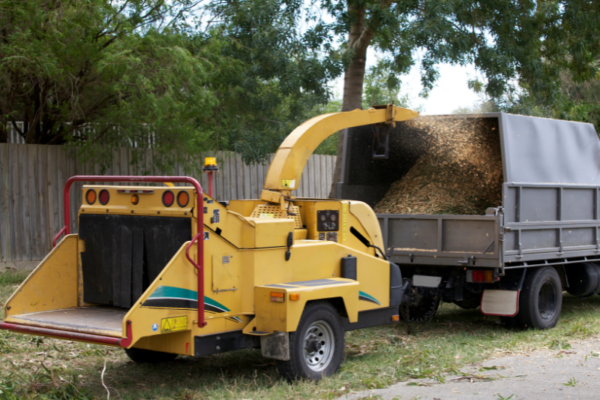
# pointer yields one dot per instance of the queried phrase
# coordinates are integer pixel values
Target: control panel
(328, 220)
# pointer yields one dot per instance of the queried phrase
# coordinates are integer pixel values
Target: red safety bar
(34, 330)
(177, 179)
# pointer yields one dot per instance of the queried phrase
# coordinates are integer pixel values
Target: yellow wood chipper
(163, 271)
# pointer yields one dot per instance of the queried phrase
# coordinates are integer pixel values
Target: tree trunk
(359, 38)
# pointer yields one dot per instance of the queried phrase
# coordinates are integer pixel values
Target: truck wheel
(149, 356)
(541, 299)
(422, 312)
(317, 346)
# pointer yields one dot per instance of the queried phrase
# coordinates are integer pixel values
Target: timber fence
(32, 178)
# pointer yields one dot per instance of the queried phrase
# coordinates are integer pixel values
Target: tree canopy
(244, 73)
(101, 74)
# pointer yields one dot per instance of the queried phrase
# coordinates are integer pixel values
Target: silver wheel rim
(318, 346)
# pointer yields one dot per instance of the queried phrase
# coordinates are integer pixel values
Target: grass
(36, 368)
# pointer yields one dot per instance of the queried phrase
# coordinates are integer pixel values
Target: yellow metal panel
(284, 317)
(319, 260)
(176, 343)
(225, 272)
(53, 284)
(292, 155)
(272, 232)
(300, 234)
(150, 204)
(243, 207)
(180, 274)
(275, 211)
(368, 219)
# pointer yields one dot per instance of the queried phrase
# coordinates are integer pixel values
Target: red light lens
(478, 276)
(168, 198)
(104, 197)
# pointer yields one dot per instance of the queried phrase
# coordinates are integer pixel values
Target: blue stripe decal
(177, 293)
(367, 297)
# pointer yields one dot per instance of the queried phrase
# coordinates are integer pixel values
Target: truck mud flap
(503, 303)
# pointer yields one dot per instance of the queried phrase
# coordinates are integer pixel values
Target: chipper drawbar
(163, 271)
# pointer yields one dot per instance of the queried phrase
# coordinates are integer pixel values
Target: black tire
(422, 312)
(320, 320)
(149, 356)
(540, 300)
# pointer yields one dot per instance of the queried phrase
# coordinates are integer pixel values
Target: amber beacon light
(210, 166)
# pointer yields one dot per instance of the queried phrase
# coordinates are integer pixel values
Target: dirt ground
(568, 373)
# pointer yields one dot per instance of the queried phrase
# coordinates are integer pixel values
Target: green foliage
(267, 78)
(575, 101)
(101, 74)
(379, 89)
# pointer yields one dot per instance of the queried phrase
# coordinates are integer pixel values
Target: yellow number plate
(173, 324)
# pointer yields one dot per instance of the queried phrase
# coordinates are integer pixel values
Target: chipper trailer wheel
(317, 346)
(144, 356)
(540, 300)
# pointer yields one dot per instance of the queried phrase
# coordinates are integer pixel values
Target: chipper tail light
(168, 198)
(183, 198)
(90, 196)
(277, 297)
(104, 197)
(480, 276)
(135, 199)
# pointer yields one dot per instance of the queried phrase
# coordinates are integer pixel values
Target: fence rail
(32, 178)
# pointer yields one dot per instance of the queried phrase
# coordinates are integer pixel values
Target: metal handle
(200, 268)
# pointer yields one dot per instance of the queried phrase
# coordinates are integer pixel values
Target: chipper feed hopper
(167, 271)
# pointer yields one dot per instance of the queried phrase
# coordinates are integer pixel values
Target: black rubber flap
(124, 254)
(349, 267)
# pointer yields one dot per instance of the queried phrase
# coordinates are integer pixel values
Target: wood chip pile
(460, 173)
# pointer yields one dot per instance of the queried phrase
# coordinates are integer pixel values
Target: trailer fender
(277, 311)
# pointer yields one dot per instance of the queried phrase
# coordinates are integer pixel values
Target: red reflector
(482, 276)
(478, 276)
(168, 198)
(104, 197)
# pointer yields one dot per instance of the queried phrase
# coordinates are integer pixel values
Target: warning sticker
(266, 215)
(288, 183)
(173, 324)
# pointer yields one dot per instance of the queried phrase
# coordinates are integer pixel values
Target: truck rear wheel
(144, 356)
(540, 300)
(317, 346)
